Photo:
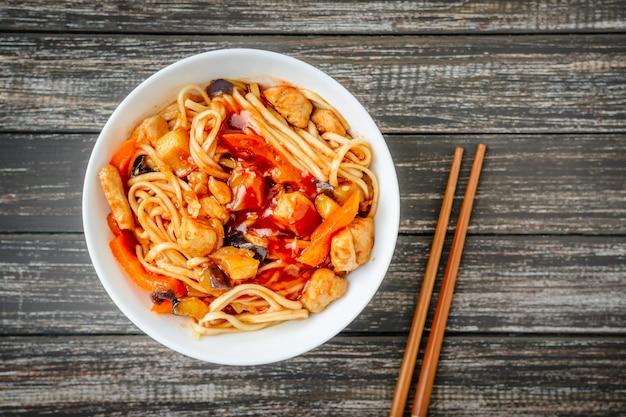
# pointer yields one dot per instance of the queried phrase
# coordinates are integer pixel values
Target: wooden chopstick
(435, 339)
(423, 301)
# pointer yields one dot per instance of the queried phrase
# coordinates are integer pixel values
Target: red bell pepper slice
(115, 228)
(317, 251)
(255, 148)
(122, 247)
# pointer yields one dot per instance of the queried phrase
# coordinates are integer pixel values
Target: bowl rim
(120, 289)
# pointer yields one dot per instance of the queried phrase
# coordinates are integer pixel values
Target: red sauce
(288, 281)
(259, 178)
(248, 186)
(253, 148)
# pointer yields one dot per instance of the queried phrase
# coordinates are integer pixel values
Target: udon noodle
(241, 206)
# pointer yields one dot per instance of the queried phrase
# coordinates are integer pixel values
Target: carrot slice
(123, 157)
(122, 248)
(164, 307)
(318, 250)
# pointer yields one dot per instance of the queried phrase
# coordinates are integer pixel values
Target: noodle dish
(236, 213)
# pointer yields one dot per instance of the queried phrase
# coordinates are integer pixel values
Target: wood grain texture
(531, 184)
(538, 319)
(43, 191)
(319, 17)
(410, 84)
(132, 375)
(520, 284)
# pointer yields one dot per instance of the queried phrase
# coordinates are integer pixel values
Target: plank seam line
(339, 34)
(618, 335)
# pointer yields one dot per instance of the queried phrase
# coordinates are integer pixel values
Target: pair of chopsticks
(435, 339)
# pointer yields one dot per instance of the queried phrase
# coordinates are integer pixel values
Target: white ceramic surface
(275, 343)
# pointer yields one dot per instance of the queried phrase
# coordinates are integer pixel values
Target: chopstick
(423, 301)
(435, 339)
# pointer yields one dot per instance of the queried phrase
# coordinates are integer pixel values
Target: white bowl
(274, 343)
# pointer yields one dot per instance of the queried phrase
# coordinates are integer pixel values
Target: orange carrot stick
(164, 307)
(121, 246)
(317, 251)
(123, 157)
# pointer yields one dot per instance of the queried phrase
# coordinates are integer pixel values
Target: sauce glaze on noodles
(258, 217)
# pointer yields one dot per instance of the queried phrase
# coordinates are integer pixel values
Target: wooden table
(538, 321)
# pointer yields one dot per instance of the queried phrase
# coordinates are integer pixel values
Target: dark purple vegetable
(159, 296)
(140, 166)
(219, 279)
(324, 187)
(238, 240)
(213, 278)
(219, 86)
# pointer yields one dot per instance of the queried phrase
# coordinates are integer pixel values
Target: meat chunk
(323, 288)
(220, 190)
(352, 245)
(295, 212)
(343, 252)
(150, 129)
(111, 182)
(197, 238)
(362, 230)
(291, 104)
(248, 188)
(327, 121)
(210, 207)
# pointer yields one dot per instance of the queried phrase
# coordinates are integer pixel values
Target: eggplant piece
(191, 307)
(238, 240)
(173, 149)
(212, 278)
(219, 86)
(325, 205)
(238, 263)
(140, 166)
(324, 188)
(159, 296)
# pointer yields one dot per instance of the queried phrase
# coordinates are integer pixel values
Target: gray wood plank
(480, 376)
(539, 314)
(319, 17)
(41, 189)
(531, 184)
(410, 84)
(516, 284)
